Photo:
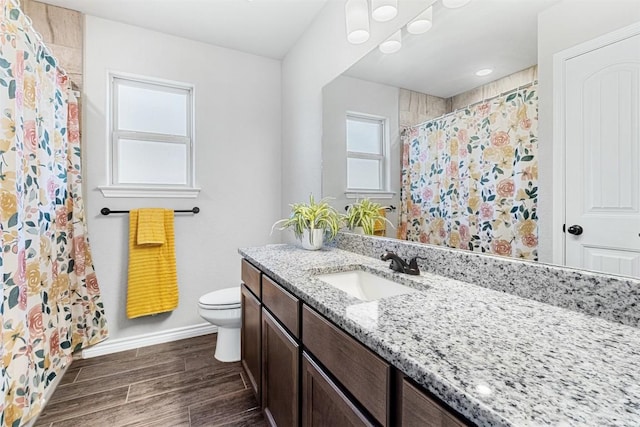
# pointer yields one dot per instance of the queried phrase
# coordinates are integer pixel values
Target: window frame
(114, 188)
(383, 157)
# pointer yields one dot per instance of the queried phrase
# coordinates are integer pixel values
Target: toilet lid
(224, 298)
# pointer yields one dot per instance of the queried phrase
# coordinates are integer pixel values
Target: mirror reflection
(451, 129)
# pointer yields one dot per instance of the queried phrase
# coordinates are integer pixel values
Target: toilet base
(228, 344)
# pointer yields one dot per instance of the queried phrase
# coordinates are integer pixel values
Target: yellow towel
(151, 227)
(153, 281)
(380, 227)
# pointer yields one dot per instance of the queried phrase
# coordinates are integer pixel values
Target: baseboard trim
(144, 340)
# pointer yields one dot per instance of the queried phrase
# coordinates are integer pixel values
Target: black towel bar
(389, 208)
(107, 211)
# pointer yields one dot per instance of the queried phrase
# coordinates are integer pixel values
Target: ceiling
(496, 34)
(262, 27)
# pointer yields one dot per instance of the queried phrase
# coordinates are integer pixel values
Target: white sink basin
(364, 286)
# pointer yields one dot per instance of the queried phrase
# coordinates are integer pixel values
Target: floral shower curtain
(469, 178)
(51, 302)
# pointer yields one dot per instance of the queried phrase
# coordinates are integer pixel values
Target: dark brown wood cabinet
(251, 278)
(359, 370)
(284, 306)
(280, 374)
(251, 339)
(336, 381)
(419, 410)
(323, 403)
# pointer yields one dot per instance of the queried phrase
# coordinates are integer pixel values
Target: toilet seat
(223, 299)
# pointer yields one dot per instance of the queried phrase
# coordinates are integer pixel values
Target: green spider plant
(365, 214)
(310, 216)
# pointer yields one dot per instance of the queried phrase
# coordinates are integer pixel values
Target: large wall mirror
(456, 111)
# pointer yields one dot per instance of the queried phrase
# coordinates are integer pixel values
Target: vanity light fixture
(392, 44)
(422, 23)
(484, 72)
(453, 4)
(357, 16)
(384, 10)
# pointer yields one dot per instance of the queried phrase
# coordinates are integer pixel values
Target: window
(151, 138)
(367, 165)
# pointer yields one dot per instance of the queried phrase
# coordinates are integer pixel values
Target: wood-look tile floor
(173, 384)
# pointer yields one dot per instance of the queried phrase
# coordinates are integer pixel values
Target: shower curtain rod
(516, 89)
(390, 208)
(38, 36)
(482, 101)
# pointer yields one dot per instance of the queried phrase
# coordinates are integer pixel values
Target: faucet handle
(413, 262)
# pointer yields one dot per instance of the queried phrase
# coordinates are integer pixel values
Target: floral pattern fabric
(470, 178)
(51, 302)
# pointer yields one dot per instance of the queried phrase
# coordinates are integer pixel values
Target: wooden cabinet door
(364, 374)
(251, 339)
(280, 374)
(323, 404)
(418, 410)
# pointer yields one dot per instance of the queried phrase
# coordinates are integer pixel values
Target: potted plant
(312, 222)
(362, 216)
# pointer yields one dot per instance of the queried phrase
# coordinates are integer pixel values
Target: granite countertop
(497, 359)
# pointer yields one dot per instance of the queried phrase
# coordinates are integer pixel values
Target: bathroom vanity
(447, 353)
(325, 376)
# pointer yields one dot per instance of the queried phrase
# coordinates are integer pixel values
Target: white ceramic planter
(358, 230)
(314, 240)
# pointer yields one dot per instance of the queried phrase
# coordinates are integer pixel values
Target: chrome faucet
(400, 265)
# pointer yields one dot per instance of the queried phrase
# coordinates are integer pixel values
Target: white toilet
(222, 308)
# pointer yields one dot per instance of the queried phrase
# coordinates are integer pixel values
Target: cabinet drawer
(251, 277)
(365, 375)
(419, 410)
(284, 306)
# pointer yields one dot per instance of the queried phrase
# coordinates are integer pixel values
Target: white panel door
(603, 159)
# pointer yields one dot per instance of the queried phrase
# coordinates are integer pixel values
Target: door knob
(575, 230)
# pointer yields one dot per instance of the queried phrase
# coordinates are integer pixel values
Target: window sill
(354, 194)
(151, 192)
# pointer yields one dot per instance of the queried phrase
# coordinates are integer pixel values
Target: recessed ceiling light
(484, 72)
(452, 4)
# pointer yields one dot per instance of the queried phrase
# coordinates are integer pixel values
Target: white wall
(238, 145)
(321, 54)
(348, 94)
(560, 27)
